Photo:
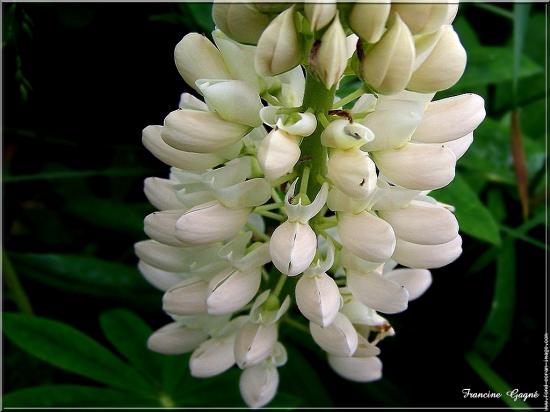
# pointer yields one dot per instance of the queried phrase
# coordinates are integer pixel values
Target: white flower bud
(460, 145)
(427, 256)
(366, 236)
(369, 20)
(232, 289)
(258, 384)
(422, 222)
(339, 338)
(318, 298)
(233, 100)
(209, 223)
(296, 124)
(449, 119)
(240, 21)
(254, 343)
(161, 193)
(452, 10)
(377, 292)
(169, 258)
(330, 59)
(250, 193)
(423, 18)
(161, 279)
(418, 166)
(277, 154)
(292, 247)
(343, 135)
(188, 101)
(388, 65)
(201, 132)
(175, 339)
(444, 65)
(394, 120)
(212, 357)
(353, 172)
(278, 47)
(152, 140)
(359, 314)
(338, 201)
(197, 58)
(416, 281)
(186, 298)
(161, 226)
(319, 14)
(357, 369)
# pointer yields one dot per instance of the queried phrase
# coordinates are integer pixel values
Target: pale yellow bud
(443, 66)
(197, 58)
(369, 20)
(240, 21)
(388, 65)
(319, 14)
(423, 18)
(279, 47)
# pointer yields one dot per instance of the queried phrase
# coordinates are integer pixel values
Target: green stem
(280, 284)
(304, 182)
(269, 206)
(271, 215)
(295, 324)
(349, 98)
(257, 233)
(318, 100)
(12, 281)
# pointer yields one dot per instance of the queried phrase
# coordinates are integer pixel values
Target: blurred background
(80, 82)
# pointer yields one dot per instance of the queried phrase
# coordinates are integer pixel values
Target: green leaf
(73, 396)
(67, 348)
(76, 174)
(202, 15)
(221, 390)
(472, 215)
(521, 17)
(490, 65)
(496, 330)
(87, 275)
(493, 380)
(128, 334)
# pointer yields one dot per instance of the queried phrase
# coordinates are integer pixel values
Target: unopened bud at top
(423, 18)
(319, 14)
(369, 20)
(240, 21)
(279, 47)
(330, 59)
(197, 58)
(387, 66)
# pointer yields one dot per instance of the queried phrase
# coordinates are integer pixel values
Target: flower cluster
(274, 179)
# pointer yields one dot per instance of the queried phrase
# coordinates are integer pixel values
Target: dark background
(79, 85)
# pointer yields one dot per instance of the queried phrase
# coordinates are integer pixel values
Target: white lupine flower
(418, 166)
(369, 20)
(240, 21)
(344, 135)
(418, 256)
(422, 222)
(258, 384)
(423, 18)
(197, 58)
(293, 244)
(449, 119)
(175, 339)
(317, 294)
(370, 168)
(277, 154)
(200, 131)
(377, 292)
(416, 281)
(186, 298)
(366, 236)
(353, 172)
(357, 369)
(330, 60)
(278, 47)
(443, 66)
(338, 339)
(319, 14)
(388, 65)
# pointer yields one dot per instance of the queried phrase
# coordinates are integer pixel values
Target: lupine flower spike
(285, 203)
